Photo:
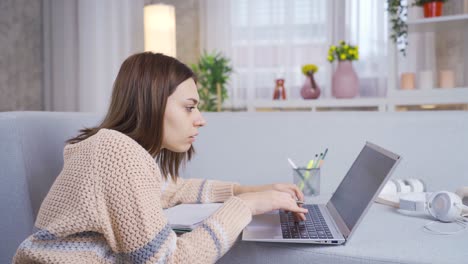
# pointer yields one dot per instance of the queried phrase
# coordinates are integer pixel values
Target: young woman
(106, 205)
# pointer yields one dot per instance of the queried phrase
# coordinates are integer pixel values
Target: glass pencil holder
(307, 180)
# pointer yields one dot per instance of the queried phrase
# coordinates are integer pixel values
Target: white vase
(414, 12)
(426, 80)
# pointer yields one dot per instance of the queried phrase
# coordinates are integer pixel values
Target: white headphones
(443, 206)
(447, 207)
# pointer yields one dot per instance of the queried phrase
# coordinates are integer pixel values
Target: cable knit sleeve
(195, 191)
(128, 195)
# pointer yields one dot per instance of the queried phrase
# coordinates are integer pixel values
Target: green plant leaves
(211, 69)
(398, 10)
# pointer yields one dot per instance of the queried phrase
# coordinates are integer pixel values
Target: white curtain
(367, 26)
(85, 42)
(270, 39)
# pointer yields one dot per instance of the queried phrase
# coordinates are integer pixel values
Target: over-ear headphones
(408, 194)
(444, 206)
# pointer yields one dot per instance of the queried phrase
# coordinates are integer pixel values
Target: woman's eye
(190, 108)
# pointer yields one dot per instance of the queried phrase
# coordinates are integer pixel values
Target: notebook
(336, 221)
(185, 217)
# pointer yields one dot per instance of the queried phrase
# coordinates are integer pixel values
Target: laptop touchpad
(265, 226)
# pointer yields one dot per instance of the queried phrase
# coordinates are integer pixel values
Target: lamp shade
(160, 28)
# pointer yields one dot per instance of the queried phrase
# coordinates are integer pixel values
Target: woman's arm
(211, 191)
(196, 191)
(290, 188)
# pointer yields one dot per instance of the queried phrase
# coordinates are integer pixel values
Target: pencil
(323, 158)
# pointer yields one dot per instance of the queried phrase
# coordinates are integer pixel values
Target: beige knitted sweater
(106, 206)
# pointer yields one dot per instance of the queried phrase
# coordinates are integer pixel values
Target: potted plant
(212, 71)
(432, 8)
(345, 82)
(310, 89)
(398, 13)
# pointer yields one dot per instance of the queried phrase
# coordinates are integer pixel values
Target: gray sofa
(252, 148)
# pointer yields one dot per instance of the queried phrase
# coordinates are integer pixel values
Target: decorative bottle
(280, 91)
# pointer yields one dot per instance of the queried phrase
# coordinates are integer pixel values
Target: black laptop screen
(361, 183)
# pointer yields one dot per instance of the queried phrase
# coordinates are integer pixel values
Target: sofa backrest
(31, 157)
(250, 148)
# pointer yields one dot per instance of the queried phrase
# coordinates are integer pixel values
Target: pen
(323, 158)
(317, 163)
(298, 172)
(292, 164)
(310, 165)
(299, 202)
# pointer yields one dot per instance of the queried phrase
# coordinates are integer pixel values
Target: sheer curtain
(85, 42)
(270, 39)
(366, 25)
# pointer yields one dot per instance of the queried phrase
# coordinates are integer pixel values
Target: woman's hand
(287, 188)
(266, 201)
(290, 188)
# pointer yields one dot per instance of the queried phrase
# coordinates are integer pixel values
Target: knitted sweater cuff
(235, 216)
(222, 191)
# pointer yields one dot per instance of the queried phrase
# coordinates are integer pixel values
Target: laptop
(334, 222)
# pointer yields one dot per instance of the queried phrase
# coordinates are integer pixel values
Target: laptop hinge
(338, 220)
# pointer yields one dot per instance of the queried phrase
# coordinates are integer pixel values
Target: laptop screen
(361, 182)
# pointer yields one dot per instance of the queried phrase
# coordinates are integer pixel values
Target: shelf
(436, 96)
(423, 98)
(320, 102)
(459, 93)
(376, 104)
(441, 23)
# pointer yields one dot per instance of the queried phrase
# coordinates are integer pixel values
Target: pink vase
(310, 89)
(345, 82)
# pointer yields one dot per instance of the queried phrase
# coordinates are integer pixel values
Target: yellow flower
(309, 67)
(343, 51)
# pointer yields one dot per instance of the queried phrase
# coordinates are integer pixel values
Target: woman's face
(182, 118)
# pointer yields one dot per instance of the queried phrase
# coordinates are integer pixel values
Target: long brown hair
(138, 102)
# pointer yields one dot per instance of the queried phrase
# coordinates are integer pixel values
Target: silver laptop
(334, 222)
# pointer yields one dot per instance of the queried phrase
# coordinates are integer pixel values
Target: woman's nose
(200, 121)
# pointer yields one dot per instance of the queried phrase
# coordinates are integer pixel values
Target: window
(270, 39)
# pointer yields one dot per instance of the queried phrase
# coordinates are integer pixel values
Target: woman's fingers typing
(299, 194)
(289, 188)
(262, 202)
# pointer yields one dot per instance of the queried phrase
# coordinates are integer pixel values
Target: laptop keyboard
(314, 227)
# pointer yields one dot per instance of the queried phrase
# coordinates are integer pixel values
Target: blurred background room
(250, 55)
